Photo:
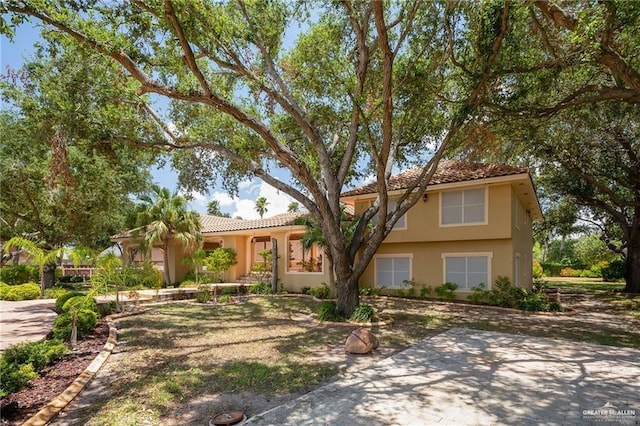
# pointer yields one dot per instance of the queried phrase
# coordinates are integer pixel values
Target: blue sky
(13, 54)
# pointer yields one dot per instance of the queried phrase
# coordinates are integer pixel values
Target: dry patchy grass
(182, 363)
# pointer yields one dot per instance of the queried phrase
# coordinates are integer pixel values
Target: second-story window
(463, 207)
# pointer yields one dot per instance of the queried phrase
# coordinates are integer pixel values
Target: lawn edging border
(53, 408)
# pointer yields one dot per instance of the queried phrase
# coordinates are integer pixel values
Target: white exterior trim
(387, 256)
(487, 254)
(486, 208)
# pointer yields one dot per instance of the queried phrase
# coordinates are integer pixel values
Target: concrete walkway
(470, 377)
(25, 321)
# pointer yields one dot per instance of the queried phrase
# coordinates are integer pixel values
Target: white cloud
(244, 206)
(278, 203)
(223, 199)
(249, 186)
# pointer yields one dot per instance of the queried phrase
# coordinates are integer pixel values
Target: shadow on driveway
(25, 321)
(471, 377)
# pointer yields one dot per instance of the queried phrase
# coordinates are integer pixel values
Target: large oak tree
(333, 91)
(68, 165)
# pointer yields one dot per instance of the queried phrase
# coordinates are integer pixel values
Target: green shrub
(446, 291)
(305, 290)
(80, 302)
(54, 292)
(4, 288)
(19, 274)
(38, 354)
(505, 295)
(537, 270)
(534, 302)
(28, 291)
(19, 363)
(371, 291)
(328, 311)
(614, 271)
(260, 288)
(62, 299)
(71, 279)
(204, 294)
(105, 309)
(363, 313)
(425, 291)
(15, 377)
(555, 306)
(322, 292)
(87, 319)
(187, 283)
(479, 294)
(551, 269)
(225, 298)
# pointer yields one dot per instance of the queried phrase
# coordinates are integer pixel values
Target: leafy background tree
(67, 156)
(213, 208)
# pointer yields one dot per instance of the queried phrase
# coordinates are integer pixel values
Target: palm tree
(293, 207)
(213, 208)
(166, 217)
(261, 206)
(39, 255)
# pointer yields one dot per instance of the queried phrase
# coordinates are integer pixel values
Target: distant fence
(78, 272)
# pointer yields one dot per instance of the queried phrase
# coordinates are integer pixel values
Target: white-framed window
(463, 207)
(467, 270)
(401, 224)
(302, 258)
(391, 271)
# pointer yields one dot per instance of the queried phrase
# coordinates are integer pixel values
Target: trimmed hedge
(61, 300)
(28, 291)
(62, 326)
(80, 302)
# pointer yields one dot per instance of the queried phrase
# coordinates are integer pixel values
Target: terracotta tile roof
(449, 171)
(217, 224)
(212, 224)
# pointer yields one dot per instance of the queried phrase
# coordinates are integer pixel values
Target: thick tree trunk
(632, 273)
(49, 275)
(347, 287)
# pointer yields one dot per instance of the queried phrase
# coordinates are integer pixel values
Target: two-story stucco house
(472, 225)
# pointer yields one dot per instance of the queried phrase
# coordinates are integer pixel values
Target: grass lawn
(569, 284)
(182, 363)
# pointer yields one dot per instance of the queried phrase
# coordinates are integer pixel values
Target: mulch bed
(18, 407)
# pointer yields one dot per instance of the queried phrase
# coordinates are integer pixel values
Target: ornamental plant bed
(20, 406)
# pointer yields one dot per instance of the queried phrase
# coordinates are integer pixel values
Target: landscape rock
(361, 341)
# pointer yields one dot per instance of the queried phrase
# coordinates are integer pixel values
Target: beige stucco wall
(427, 264)
(522, 244)
(423, 219)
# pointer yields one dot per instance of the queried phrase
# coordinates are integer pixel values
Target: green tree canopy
(363, 87)
(67, 157)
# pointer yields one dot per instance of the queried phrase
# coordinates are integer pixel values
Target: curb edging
(53, 408)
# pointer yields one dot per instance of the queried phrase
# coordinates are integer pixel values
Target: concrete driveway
(25, 321)
(470, 377)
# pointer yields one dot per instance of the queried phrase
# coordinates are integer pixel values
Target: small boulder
(361, 341)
